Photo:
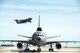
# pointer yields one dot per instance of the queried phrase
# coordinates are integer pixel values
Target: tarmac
(44, 50)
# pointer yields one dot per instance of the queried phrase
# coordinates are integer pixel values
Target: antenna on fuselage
(39, 28)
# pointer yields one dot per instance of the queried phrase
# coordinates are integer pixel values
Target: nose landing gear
(27, 49)
(51, 49)
(39, 49)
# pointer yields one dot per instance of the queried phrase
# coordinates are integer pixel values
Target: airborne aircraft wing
(50, 42)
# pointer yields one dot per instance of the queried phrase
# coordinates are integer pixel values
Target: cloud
(33, 7)
(40, 6)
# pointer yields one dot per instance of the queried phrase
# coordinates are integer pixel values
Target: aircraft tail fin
(39, 28)
(39, 21)
(16, 20)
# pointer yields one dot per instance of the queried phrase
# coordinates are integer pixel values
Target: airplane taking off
(23, 21)
(38, 39)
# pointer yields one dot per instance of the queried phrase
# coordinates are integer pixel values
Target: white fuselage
(38, 39)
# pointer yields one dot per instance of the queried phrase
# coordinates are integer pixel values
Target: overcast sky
(58, 17)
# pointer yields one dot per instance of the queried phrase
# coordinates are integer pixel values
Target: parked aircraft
(38, 39)
(23, 21)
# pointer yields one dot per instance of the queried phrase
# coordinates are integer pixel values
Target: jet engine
(58, 46)
(19, 45)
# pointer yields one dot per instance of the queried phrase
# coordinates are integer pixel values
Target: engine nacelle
(19, 45)
(58, 46)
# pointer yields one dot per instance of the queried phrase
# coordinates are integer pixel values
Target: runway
(44, 50)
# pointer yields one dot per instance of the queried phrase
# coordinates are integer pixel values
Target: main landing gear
(27, 49)
(51, 49)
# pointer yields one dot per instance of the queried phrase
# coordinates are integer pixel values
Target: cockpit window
(40, 35)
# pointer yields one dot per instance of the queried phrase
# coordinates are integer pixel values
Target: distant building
(7, 45)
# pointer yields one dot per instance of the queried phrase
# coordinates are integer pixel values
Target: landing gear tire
(39, 50)
(51, 50)
(27, 49)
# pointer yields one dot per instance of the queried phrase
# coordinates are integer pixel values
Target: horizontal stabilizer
(24, 36)
(53, 37)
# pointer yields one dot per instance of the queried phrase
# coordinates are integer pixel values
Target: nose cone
(38, 38)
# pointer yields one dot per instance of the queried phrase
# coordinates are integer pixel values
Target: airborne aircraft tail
(16, 21)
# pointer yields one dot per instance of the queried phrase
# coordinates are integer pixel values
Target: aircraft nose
(38, 38)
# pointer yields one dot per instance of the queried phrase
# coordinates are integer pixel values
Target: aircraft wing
(23, 41)
(52, 42)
